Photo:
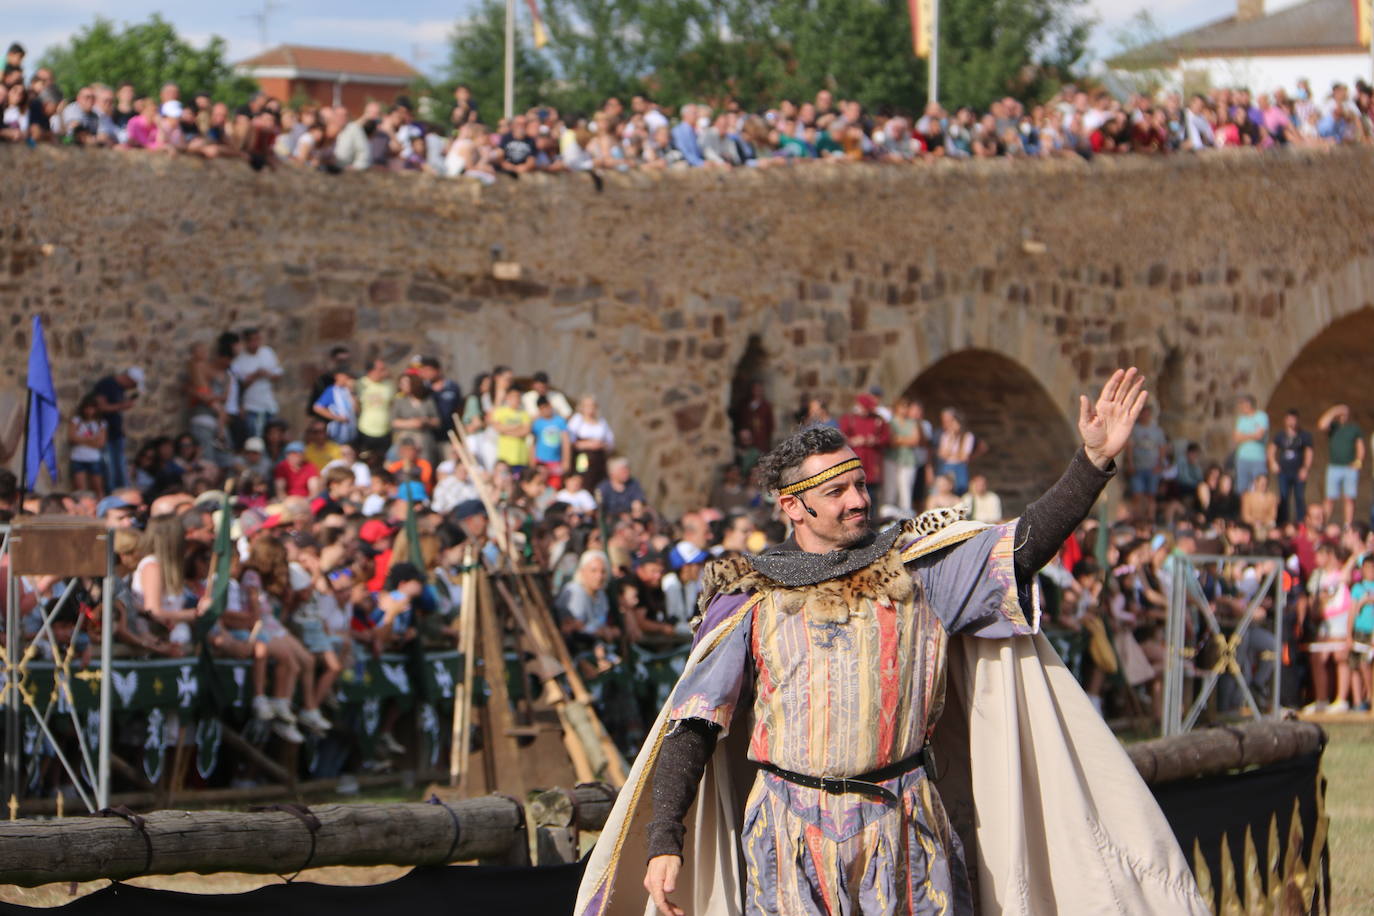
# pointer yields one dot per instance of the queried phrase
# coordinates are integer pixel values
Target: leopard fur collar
(830, 585)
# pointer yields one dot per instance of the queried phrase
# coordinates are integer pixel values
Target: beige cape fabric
(1054, 817)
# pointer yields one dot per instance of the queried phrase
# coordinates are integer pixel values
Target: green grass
(1349, 766)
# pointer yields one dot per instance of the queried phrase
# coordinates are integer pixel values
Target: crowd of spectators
(471, 143)
(323, 574)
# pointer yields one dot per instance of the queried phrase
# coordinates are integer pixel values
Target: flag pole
(24, 459)
(934, 81)
(13, 765)
(510, 59)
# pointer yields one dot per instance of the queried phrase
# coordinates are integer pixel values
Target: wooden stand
(587, 746)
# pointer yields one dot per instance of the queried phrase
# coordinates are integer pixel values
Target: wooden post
(552, 814)
(616, 771)
(498, 737)
(578, 751)
(462, 700)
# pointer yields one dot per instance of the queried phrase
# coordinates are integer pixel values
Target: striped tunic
(842, 697)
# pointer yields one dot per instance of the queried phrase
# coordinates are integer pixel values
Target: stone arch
(751, 367)
(1333, 366)
(1029, 439)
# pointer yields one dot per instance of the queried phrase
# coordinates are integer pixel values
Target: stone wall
(1209, 273)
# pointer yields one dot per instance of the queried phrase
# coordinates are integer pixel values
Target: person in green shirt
(375, 393)
(1345, 456)
(512, 427)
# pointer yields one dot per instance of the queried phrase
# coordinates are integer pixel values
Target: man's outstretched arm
(1105, 428)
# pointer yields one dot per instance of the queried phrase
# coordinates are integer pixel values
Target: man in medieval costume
(794, 770)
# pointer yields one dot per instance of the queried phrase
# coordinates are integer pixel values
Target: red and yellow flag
(1364, 20)
(541, 37)
(923, 20)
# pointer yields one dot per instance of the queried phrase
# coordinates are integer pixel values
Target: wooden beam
(265, 842)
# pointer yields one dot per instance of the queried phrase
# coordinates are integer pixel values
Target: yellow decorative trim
(953, 534)
(815, 480)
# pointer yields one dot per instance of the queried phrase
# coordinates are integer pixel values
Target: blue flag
(44, 419)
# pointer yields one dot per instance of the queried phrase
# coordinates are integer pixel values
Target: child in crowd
(1362, 597)
(86, 434)
(1331, 602)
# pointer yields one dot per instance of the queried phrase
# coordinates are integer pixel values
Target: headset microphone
(809, 510)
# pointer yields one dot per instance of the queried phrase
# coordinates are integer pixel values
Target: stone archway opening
(751, 369)
(1029, 441)
(1334, 367)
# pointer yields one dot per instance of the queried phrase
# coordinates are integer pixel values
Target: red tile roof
(331, 60)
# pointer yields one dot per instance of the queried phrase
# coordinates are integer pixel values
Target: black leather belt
(864, 783)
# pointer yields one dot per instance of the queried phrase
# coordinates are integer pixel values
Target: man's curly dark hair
(782, 465)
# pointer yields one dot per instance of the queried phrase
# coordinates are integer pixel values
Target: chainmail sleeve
(1049, 521)
(681, 762)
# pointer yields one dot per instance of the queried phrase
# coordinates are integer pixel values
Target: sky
(419, 36)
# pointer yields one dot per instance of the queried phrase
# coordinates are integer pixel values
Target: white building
(1314, 40)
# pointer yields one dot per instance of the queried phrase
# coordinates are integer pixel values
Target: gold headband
(815, 480)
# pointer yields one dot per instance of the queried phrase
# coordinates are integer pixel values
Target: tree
(760, 51)
(858, 49)
(148, 55)
(1141, 60)
(994, 48)
(477, 59)
(599, 49)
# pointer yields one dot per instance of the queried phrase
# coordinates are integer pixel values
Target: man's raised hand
(1106, 426)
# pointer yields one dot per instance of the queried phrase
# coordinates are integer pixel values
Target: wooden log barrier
(1210, 751)
(490, 829)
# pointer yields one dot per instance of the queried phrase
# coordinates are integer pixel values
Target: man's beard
(848, 537)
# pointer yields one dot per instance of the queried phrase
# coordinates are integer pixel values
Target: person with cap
(114, 396)
(868, 435)
(253, 459)
(115, 512)
(295, 476)
(379, 535)
(836, 648)
(471, 517)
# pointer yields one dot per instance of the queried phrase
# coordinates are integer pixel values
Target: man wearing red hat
(868, 434)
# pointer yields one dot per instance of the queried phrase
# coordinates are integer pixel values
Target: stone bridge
(1004, 288)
